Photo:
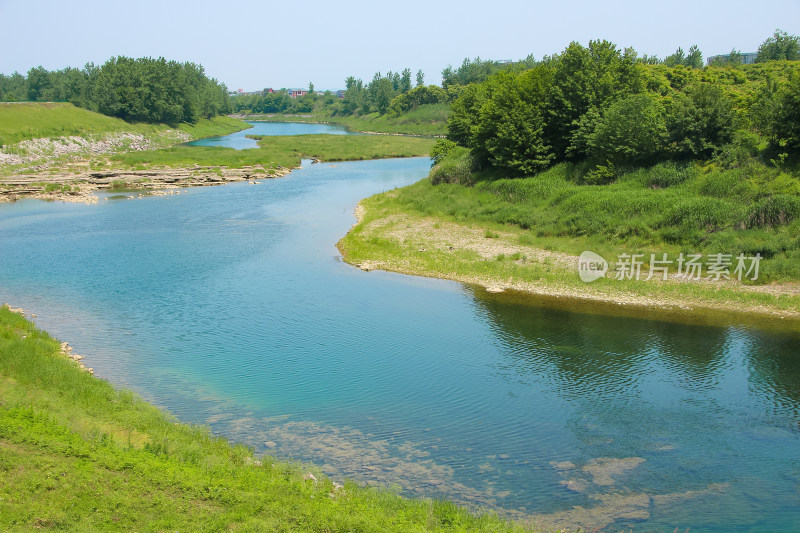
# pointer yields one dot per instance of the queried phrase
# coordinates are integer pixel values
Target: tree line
(609, 107)
(137, 90)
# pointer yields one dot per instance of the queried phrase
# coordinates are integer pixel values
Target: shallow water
(230, 306)
(239, 140)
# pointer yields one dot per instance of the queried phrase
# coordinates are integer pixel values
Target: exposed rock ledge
(79, 187)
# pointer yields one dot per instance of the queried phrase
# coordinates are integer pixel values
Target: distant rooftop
(748, 58)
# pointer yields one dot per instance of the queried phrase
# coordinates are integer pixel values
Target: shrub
(740, 151)
(457, 168)
(440, 150)
(631, 131)
(601, 174)
(726, 184)
(776, 210)
(701, 123)
(669, 174)
(701, 213)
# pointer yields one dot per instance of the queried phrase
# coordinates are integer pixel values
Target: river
(230, 306)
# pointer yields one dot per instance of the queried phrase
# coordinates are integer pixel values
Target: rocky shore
(66, 350)
(81, 186)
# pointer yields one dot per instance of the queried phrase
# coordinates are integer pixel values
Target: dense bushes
(456, 168)
(605, 106)
(425, 94)
(631, 131)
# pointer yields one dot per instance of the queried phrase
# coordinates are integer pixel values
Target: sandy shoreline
(432, 235)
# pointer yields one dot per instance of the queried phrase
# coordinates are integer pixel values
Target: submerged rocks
(17, 310)
(66, 351)
(604, 469)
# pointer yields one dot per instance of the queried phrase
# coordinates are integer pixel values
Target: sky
(257, 44)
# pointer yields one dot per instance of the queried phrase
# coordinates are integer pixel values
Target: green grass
(429, 120)
(22, 121)
(78, 455)
(284, 151)
(32, 120)
(213, 127)
(752, 209)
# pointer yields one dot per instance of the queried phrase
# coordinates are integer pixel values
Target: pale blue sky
(256, 44)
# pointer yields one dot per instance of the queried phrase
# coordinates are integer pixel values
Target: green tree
(465, 113)
(384, 92)
(420, 78)
(416, 97)
(700, 122)
(405, 81)
(14, 87)
(694, 58)
(632, 131)
(780, 46)
(676, 59)
(354, 95)
(764, 107)
(39, 83)
(587, 77)
(787, 117)
(510, 131)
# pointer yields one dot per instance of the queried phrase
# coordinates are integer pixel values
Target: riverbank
(39, 137)
(79, 454)
(75, 179)
(81, 187)
(505, 259)
(426, 120)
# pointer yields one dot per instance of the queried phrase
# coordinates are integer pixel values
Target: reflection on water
(697, 414)
(229, 306)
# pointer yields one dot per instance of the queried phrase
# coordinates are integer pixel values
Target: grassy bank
(429, 119)
(213, 127)
(36, 120)
(526, 234)
(24, 121)
(285, 151)
(63, 138)
(78, 455)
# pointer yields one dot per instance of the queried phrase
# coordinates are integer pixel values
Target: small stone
(269, 444)
(503, 456)
(563, 465)
(310, 477)
(576, 485)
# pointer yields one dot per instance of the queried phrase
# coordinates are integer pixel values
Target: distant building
(748, 58)
(268, 90)
(296, 93)
(340, 93)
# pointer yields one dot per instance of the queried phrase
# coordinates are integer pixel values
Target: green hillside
(32, 120)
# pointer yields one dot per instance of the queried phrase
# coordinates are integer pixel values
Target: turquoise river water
(239, 140)
(230, 306)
